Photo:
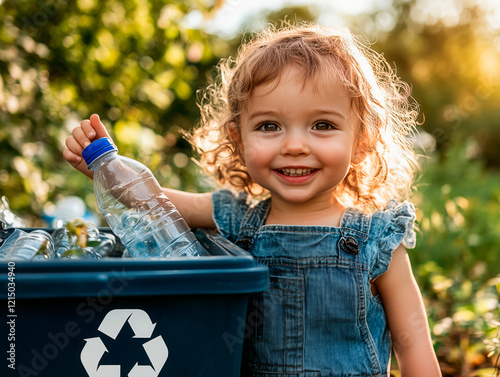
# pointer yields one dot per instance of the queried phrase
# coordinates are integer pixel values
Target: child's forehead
(318, 81)
(292, 97)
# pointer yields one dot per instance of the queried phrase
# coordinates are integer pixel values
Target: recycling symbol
(141, 325)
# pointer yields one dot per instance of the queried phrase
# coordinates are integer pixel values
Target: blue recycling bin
(120, 317)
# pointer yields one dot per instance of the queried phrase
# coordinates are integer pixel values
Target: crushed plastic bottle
(62, 241)
(28, 246)
(79, 239)
(105, 245)
(9, 242)
(135, 207)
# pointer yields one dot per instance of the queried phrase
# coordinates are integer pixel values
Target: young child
(311, 130)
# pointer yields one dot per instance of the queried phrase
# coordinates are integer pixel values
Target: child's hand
(88, 131)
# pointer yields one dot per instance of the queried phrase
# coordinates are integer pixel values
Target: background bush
(456, 260)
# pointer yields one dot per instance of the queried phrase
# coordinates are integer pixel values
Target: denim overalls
(318, 317)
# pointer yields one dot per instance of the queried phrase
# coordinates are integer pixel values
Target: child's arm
(195, 208)
(407, 319)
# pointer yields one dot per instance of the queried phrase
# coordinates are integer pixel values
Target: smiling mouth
(298, 172)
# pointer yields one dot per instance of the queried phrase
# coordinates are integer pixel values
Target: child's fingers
(99, 128)
(72, 158)
(74, 146)
(80, 137)
(75, 159)
(88, 130)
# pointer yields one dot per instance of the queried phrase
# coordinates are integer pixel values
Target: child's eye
(323, 126)
(268, 127)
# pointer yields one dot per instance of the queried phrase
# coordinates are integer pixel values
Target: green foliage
(459, 218)
(136, 63)
(451, 63)
(456, 259)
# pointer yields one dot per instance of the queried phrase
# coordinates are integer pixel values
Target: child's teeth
(296, 172)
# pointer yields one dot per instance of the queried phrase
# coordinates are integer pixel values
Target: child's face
(298, 140)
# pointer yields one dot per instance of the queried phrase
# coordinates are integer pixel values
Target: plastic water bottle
(67, 247)
(8, 243)
(135, 207)
(32, 246)
(62, 240)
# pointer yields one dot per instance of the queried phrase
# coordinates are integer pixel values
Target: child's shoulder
(391, 227)
(395, 216)
(395, 221)
(386, 228)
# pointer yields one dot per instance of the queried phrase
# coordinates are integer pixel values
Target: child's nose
(295, 144)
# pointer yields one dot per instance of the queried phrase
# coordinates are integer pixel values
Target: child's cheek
(255, 150)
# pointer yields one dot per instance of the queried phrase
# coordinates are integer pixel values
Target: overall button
(349, 245)
(244, 243)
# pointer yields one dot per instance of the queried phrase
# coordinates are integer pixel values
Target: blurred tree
(450, 54)
(294, 14)
(137, 63)
(252, 25)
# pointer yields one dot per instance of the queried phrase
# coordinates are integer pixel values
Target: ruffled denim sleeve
(392, 227)
(228, 212)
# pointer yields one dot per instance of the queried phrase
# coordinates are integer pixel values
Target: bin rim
(231, 271)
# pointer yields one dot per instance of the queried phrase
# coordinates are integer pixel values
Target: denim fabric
(318, 317)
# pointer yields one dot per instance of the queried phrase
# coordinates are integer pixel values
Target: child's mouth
(296, 172)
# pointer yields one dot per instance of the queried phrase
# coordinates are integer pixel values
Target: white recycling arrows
(91, 354)
(157, 351)
(158, 354)
(138, 319)
(141, 325)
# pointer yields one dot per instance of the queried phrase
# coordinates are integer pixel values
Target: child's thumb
(99, 128)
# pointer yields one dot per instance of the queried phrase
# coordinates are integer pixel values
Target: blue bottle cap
(98, 148)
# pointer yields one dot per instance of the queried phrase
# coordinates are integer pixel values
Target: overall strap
(354, 227)
(253, 219)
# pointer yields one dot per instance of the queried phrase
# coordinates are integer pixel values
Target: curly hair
(387, 115)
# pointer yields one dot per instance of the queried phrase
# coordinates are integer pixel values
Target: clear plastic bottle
(36, 245)
(62, 240)
(67, 247)
(135, 207)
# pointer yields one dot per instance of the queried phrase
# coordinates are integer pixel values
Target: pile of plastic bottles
(76, 239)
